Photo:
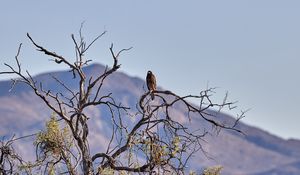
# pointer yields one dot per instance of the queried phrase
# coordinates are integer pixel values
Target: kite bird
(151, 83)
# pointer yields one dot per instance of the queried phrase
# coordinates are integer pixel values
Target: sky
(249, 48)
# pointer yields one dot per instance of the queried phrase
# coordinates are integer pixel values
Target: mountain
(257, 153)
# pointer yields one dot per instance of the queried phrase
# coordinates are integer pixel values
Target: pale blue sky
(250, 48)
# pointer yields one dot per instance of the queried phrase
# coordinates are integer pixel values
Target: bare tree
(156, 143)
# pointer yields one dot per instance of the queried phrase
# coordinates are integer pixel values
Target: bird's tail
(152, 95)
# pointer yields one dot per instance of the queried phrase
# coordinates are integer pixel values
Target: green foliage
(54, 139)
(192, 173)
(215, 170)
(106, 171)
(176, 143)
(51, 170)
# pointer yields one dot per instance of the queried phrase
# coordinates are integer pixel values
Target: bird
(151, 83)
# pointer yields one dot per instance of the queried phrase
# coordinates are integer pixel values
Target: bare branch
(150, 132)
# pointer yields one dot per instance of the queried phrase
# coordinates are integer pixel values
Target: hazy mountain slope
(258, 153)
(289, 169)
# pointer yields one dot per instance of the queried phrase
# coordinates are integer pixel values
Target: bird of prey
(151, 83)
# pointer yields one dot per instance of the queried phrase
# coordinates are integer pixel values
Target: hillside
(258, 153)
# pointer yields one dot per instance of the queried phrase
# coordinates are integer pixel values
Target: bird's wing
(153, 82)
(148, 81)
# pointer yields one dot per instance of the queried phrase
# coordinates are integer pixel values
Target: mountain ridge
(257, 153)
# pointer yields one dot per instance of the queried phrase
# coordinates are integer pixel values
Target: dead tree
(157, 143)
